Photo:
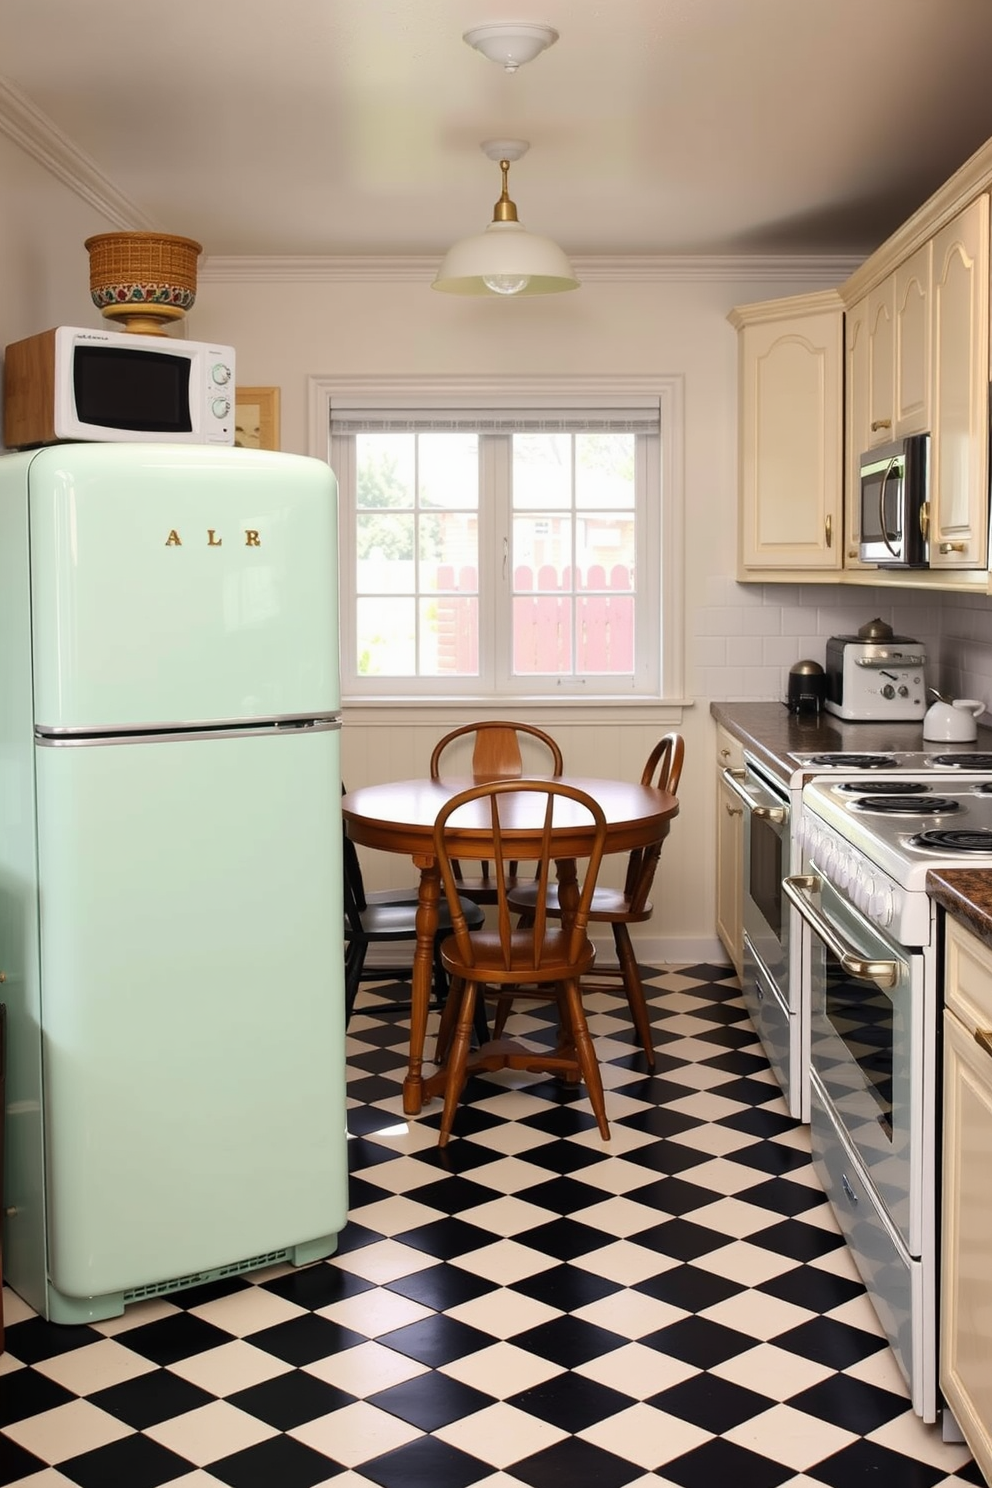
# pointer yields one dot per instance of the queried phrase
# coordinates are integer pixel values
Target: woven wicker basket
(143, 278)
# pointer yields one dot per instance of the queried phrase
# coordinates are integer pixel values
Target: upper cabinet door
(912, 348)
(791, 436)
(881, 363)
(856, 439)
(960, 361)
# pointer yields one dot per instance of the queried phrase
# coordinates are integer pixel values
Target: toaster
(875, 678)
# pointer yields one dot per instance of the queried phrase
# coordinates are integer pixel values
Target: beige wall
(285, 331)
(44, 268)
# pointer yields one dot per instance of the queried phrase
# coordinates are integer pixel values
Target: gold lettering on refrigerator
(253, 538)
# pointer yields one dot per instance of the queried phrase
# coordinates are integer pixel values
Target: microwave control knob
(221, 374)
(220, 407)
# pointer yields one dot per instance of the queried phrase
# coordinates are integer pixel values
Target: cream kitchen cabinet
(898, 348)
(856, 421)
(959, 515)
(966, 1201)
(729, 850)
(791, 368)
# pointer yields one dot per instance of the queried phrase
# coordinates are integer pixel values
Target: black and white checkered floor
(535, 1308)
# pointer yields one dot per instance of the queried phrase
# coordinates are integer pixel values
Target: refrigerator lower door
(191, 1009)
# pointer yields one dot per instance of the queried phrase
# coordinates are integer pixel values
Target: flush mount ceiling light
(505, 259)
(511, 43)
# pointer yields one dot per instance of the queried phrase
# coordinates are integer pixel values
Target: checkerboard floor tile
(532, 1307)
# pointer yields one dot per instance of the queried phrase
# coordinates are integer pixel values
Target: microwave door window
(119, 388)
(881, 521)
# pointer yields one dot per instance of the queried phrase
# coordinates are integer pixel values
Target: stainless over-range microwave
(895, 504)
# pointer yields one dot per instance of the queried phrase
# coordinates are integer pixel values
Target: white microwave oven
(70, 383)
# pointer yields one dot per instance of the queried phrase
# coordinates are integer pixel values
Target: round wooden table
(399, 818)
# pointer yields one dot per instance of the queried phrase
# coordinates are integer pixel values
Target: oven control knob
(844, 869)
(880, 905)
(864, 891)
(888, 691)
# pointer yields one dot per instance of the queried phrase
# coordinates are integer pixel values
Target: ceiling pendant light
(505, 259)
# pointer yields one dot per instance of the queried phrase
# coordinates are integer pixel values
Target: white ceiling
(656, 126)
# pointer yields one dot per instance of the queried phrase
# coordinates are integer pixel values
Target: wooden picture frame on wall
(256, 418)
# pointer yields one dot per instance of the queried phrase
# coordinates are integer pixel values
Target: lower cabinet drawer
(890, 1275)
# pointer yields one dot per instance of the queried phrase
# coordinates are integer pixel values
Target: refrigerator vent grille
(161, 1288)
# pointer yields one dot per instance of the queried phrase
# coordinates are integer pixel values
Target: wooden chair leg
(449, 1018)
(586, 1055)
(634, 989)
(457, 1061)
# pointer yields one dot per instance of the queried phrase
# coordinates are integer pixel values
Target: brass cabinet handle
(925, 520)
(877, 424)
(983, 1037)
(739, 811)
(724, 753)
(828, 531)
(952, 547)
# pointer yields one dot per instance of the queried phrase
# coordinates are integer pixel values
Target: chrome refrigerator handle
(799, 889)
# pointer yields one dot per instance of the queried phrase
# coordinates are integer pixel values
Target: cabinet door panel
(912, 308)
(966, 1268)
(958, 494)
(856, 424)
(791, 443)
(881, 362)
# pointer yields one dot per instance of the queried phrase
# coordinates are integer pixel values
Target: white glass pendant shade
(505, 260)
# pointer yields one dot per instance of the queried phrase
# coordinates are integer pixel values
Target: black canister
(807, 687)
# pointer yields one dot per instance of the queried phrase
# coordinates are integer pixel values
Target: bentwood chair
(387, 917)
(544, 961)
(620, 908)
(498, 751)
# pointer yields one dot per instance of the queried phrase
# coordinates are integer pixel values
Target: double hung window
(501, 551)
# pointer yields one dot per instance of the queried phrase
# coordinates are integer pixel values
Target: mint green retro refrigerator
(170, 834)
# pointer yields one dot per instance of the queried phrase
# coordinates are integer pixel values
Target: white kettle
(954, 722)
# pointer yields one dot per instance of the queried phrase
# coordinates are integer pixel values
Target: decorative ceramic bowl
(144, 279)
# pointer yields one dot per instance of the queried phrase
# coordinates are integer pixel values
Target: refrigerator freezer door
(181, 584)
(192, 1023)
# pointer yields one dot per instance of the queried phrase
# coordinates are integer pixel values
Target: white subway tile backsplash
(745, 637)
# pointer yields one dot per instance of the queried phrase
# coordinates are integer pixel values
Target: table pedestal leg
(420, 990)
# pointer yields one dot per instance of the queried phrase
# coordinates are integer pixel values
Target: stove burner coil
(887, 787)
(856, 761)
(959, 840)
(911, 806)
(963, 761)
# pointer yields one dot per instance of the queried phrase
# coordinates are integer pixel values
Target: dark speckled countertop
(771, 733)
(966, 893)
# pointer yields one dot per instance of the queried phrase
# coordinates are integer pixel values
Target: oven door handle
(735, 779)
(799, 889)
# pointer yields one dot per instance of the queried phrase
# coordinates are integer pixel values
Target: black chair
(383, 917)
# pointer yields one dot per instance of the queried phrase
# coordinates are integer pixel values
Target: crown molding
(25, 124)
(614, 268)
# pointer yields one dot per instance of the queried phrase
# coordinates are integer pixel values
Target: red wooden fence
(546, 612)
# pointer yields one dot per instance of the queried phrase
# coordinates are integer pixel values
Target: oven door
(867, 1048)
(766, 863)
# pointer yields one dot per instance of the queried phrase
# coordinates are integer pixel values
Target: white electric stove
(872, 986)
